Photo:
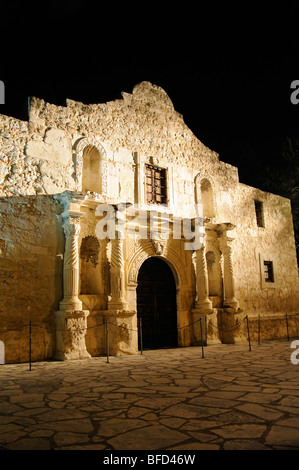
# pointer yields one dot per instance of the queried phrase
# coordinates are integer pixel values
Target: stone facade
(58, 272)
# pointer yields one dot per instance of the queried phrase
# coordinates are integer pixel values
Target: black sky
(227, 68)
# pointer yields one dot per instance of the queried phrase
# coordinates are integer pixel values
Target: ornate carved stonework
(158, 246)
(133, 272)
(89, 250)
(228, 274)
(159, 242)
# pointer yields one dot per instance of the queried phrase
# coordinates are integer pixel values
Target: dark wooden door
(156, 304)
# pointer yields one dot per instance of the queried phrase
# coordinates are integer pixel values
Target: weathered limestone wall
(144, 121)
(273, 242)
(31, 250)
(41, 158)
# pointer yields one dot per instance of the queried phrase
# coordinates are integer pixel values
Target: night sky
(227, 70)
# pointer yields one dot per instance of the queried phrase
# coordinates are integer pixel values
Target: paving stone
(56, 404)
(202, 437)
(248, 431)
(288, 409)
(58, 415)
(7, 428)
(156, 437)
(224, 394)
(232, 400)
(212, 401)
(172, 422)
(196, 446)
(62, 439)
(31, 412)
(283, 435)
(136, 411)
(244, 444)
(192, 411)
(90, 446)
(199, 424)
(24, 398)
(70, 425)
(260, 411)
(292, 422)
(261, 398)
(114, 426)
(56, 396)
(290, 401)
(33, 443)
(158, 403)
(289, 392)
(151, 417)
(8, 408)
(42, 433)
(8, 437)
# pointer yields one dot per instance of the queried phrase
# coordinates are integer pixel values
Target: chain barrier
(107, 322)
(227, 329)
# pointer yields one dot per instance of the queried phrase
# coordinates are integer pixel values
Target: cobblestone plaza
(169, 399)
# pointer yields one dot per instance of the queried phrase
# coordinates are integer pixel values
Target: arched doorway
(156, 304)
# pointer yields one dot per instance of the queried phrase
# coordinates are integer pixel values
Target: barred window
(259, 212)
(268, 271)
(155, 180)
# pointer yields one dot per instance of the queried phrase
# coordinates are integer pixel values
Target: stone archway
(156, 304)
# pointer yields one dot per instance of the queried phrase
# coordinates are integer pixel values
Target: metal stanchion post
(30, 345)
(259, 329)
(288, 337)
(140, 332)
(107, 340)
(202, 349)
(248, 332)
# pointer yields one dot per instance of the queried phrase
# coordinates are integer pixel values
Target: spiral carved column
(228, 275)
(202, 289)
(117, 276)
(71, 268)
(203, 305)
(71, 320)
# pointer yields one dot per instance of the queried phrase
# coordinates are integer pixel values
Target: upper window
(155, 180)
(259, 212)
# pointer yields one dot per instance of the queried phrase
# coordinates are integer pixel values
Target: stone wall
(273, 242)
(31, 257)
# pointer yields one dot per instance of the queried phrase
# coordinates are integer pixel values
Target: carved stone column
(228, 275)
(203, 305)
(203, 302)
(71, 266)
(71, 320)
(117, 275)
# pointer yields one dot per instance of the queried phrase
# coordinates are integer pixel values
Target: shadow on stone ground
(232, 399)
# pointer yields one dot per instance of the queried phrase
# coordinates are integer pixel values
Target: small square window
(268, 271)
(155, 181)
(259, 212)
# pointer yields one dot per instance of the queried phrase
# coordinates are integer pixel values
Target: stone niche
(90, 273)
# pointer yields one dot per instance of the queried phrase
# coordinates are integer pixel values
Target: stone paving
(169, 399)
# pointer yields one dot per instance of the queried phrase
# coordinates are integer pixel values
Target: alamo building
(115, 215)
